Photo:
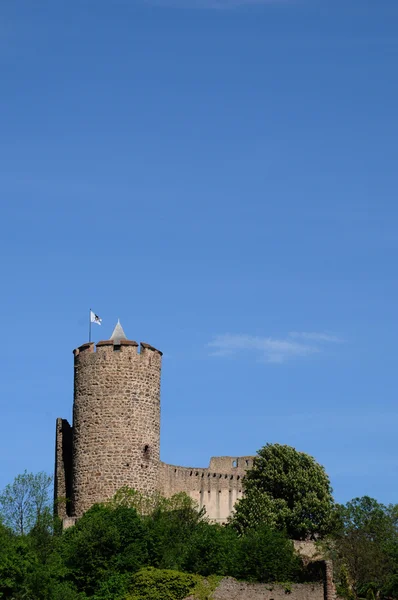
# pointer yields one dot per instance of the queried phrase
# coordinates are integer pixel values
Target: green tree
(12, 562)
(169, 523)
(25, 501)
(365, 548)
(288, 490)
(170, 528)
(105, 542)
(211, 550)
(115, 587)
(267, 555)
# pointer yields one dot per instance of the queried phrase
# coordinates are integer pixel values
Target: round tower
(116, 419)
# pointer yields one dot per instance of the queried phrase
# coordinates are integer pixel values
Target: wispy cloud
(316, 337)
(272, 350)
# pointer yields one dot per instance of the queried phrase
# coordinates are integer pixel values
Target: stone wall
(216, 488)
(116, 421)
(308, 550)
(63, 467)
(329, 585)
(231, 589)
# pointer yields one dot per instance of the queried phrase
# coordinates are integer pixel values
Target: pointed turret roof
(118, 333)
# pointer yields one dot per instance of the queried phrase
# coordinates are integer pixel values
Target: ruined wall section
(63, 467)
(230, 589)
(216, 488)
(116, 421)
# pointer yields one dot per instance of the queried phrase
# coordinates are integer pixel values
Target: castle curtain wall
(216, 488)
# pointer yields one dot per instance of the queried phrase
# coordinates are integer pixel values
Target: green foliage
(150, 504)
(287, 490)
(205, 587)
(104, 542)
(212, 550)
(13, 562)
(23, 502)
(167, 584)
(266, 555)
(370, 594)
(170, 527)
(257, 508)
(343, 587)
(151, 547)
(114, 587)
(30, 564)
(132, 547)
(156, 584)
(364, 549)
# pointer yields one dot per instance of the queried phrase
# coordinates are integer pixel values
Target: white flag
(95, 318)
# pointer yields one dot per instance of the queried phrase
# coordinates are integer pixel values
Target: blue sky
(222, 176)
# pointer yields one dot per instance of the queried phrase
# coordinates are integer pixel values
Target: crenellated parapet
(216, 488)
(233, 464)
(146, 350)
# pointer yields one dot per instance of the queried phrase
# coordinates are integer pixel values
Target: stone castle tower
(116, 423)
(115, 437)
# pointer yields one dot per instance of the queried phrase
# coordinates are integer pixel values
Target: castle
(115, 437)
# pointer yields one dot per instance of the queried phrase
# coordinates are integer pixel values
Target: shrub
(266, 555)
(161, 584)
(212, 550)
(104, 542)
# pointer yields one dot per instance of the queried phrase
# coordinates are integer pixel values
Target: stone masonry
(115, 437)
(216, 488)
(230, 589)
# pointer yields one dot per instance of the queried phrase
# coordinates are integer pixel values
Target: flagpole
(89, 326)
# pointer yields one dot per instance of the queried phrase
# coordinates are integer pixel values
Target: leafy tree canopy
(365, 549)
(104, 542)
(287, 490)
(25, 501)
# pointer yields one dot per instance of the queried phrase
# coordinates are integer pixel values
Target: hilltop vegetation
(152, 548)
(106, 555)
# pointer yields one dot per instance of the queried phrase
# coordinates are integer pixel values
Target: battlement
(87, 347)
(216, 488)
(231, 464)
(192, 474)
(91, 347)
(117, 343)
(222, 472)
